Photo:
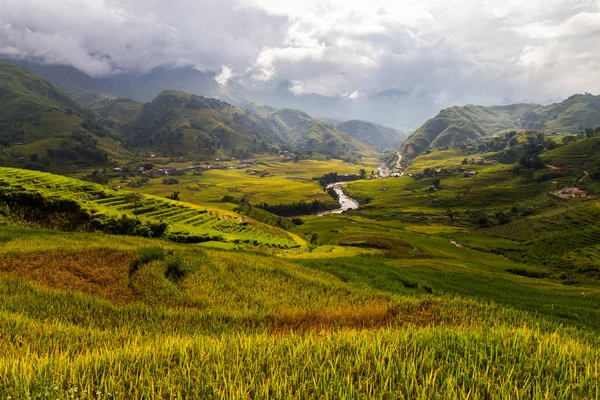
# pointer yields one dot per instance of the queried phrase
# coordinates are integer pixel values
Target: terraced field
(183, 218)
(567, 235)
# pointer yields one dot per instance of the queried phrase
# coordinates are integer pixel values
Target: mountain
(120, 111)
(456, 125)
(373, 134)
(392, 107)
(179, 123)
(307, 134)
(41, 126)
(139, 87)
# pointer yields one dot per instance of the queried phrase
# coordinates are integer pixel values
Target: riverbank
(346, 202)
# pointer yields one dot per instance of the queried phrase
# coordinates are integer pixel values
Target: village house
(570, 193)
(157, 172)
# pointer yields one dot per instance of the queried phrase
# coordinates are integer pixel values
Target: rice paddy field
(287, 182)
(393, 300)
(181, 217)
(79, 322)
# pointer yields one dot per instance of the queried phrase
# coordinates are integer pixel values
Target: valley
(187, 247)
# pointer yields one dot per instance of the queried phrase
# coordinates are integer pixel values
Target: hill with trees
(456, 125)
(306, 134)
(178, 123)
(42, 127)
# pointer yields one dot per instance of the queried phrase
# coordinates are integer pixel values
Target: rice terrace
(267, 200)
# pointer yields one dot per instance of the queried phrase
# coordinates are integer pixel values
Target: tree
(314, 239)
(595, 171)
(436, 184)
(173, 196)
(363, 173)
(589, 132)
(465, 161)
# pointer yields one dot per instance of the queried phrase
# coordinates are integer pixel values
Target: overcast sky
(457, 51)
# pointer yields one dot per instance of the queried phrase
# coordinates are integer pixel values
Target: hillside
(391, 107)
(179, 123)
(97, 316)
(102, 208)
(457, 125)
(373, 134)
(306, 134)
(42, 127)
(139, 87)
(120, 111)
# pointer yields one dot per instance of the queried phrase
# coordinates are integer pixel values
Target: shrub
(147, 255)
(173, 196)
(177, 268)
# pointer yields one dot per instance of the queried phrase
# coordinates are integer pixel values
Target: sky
(454, 51)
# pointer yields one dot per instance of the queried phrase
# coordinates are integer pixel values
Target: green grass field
(393, 300)
(77, 322)
(181, 217)
(287, 182)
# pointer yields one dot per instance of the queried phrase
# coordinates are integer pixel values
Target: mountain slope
(457, 124)
(42, 126)
(121, 111)
(180, 123)
(139, 87)
(307, 134)
(372, 133)
(390, 107)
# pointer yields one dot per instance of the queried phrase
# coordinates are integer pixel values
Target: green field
(397, 299)
(78, 321)
(184, 218)
(287, 182)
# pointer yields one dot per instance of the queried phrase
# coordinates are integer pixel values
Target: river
(346, 202)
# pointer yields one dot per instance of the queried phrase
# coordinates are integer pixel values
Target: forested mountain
(308, 134)
(456, 125)
(390, 107)
(179, 123)
(42, 126)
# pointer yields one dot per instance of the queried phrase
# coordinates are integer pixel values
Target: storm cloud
(454, 51)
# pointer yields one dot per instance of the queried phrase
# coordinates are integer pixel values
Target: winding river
(346, 202)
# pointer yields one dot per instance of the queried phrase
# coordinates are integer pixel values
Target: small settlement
(569, 193)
